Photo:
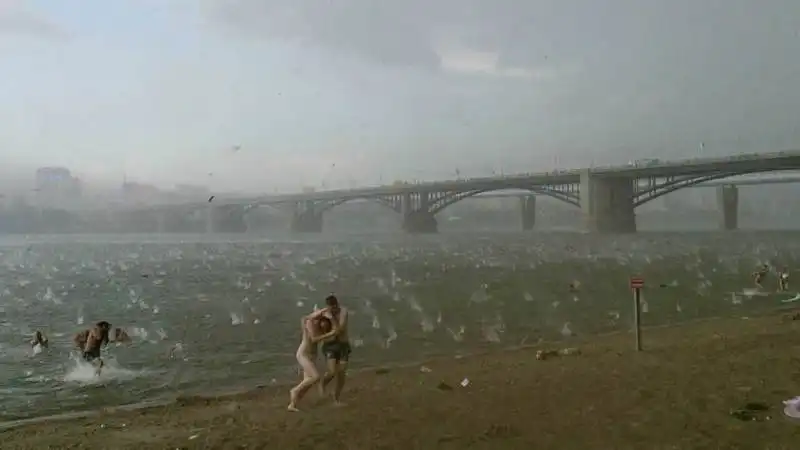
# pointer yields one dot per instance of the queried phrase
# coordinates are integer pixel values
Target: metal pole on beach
(636, 284)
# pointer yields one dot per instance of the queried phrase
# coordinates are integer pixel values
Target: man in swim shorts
(91, 341)
(337, 349)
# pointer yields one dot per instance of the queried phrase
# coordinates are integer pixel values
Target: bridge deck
(737, 164)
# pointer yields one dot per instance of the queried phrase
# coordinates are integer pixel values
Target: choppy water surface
(211, 315)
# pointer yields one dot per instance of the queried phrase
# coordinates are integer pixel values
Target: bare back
(307, 347)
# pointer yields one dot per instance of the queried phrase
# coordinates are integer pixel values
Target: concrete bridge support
(607, 203)
(306, 218)
(419, 219)
(728, 200)
(528, 208)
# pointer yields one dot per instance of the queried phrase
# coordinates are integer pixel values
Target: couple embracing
(328, 326)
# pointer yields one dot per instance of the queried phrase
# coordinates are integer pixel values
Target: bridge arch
(391, 203)
(647, 194)
(565, 194)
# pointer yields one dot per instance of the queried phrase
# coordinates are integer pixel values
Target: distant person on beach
(336, 350)
(39, 339)
(783, 280)
(90, 341)
(760, 275)
(315, 328)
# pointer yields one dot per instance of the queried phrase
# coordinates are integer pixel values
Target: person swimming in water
(90, 341)
(39, 339)
(760, 275)
(120, 335)
(315, 328)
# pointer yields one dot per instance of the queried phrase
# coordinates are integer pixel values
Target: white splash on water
(84, 373)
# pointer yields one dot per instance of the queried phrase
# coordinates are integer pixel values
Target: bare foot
(292, 408)
(339, 404)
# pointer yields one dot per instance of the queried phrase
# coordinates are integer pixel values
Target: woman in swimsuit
(315, 328)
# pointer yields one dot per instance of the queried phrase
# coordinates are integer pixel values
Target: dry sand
(677, 394)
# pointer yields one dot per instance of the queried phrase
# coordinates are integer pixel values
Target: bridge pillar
(306, 219)
(607, 203)
(418, 220)
(728, 199)
(528, 207)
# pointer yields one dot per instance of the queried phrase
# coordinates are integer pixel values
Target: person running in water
(336, 350)
(759, 276)
(90, 341)
(315, 328)
(783, 280)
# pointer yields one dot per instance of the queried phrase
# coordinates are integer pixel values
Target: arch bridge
(606, 196)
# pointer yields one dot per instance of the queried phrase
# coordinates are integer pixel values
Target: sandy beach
(677, 394)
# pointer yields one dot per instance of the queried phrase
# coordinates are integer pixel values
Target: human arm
(89, 342)
(341, 321)
(316, 314)
(334, 331)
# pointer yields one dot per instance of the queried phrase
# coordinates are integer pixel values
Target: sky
(266, 95)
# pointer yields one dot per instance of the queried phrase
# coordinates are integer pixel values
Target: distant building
(56, 184)
(140, 193)
(189, 191)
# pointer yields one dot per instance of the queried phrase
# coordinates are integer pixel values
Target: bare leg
(100, 365)
(333, 369)
(310, 376)
(341, 377)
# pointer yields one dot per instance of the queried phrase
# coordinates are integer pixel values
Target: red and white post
(636, 284)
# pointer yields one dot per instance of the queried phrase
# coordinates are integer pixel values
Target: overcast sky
(338, 90)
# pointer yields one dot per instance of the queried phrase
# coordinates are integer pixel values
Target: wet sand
(677, 394)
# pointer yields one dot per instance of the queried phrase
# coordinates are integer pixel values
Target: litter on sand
(792, 408)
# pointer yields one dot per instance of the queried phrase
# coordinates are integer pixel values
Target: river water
(218, 313)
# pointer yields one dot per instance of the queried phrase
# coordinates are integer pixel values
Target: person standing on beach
(336, 350)
(315, 328)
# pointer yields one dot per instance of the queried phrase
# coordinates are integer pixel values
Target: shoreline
(678, 393)
(170, 400)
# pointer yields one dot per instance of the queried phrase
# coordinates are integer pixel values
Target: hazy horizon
(258, 95)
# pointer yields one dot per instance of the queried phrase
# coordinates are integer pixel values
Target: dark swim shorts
(91, 355)
(336, 350)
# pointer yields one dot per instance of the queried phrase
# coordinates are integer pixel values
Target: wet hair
(331, 300)
(324, 324)
(106, 328)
